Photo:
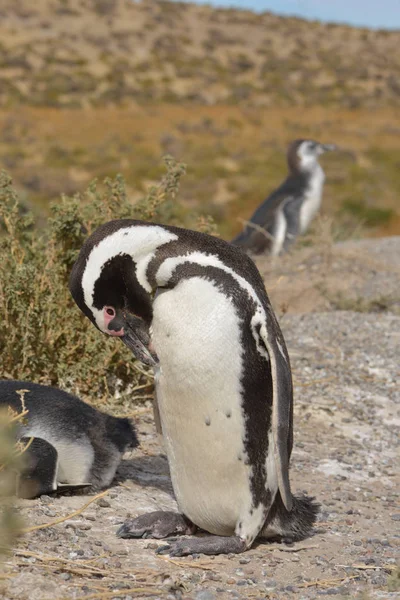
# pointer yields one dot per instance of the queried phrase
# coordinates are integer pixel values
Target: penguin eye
(110, 311)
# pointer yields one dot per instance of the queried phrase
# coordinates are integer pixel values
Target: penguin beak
(327, 148)
(137, 339)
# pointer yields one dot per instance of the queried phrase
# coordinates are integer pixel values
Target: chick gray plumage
(289, 210)
(75, 444)
(222, 378)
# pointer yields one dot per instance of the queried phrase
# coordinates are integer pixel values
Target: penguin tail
(293, 525)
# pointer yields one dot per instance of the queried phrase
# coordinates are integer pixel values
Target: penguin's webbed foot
(159, 524)
(211, 544)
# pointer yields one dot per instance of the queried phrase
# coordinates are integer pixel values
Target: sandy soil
(346, 373)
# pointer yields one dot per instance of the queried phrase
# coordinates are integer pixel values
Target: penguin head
(303, 154)
(118, 305)
(121, 432)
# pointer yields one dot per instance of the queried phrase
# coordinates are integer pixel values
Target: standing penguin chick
(289, 210)
(223, 380)
(73, 444)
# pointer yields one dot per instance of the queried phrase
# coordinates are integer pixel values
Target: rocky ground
(346, 373)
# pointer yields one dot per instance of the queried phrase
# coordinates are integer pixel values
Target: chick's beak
(137, 338)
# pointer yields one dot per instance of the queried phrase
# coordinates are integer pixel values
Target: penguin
(289, 210)
(69, 443)
(222, 378)
(38, 475)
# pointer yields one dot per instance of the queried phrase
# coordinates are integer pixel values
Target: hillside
(100, 52)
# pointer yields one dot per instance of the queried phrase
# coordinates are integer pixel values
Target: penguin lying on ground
(289, 210)
(74, 445)
(223, 379)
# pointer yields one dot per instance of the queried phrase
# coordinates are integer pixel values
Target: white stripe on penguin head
(138, 241)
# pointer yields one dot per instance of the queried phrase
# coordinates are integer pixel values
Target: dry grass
(11, 457)
(235, 157)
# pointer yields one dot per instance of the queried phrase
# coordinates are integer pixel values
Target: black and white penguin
(74, 445)
(289, 210)
(222, 376)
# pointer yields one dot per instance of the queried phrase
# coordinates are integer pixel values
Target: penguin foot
(211, 544)
(158, 524)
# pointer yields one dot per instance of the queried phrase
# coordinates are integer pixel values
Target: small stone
(85, 526)
(351, 497)
(241, 582)
(231, 581)
(396, 517)
(65, 576)
(244, 561)
(151, 546)
(103, 503)
(46, 499)
(357, 543)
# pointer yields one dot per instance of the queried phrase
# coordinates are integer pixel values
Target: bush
(44, 337)
(11, 457)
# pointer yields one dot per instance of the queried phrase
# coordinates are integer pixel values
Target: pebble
(46, 499)
(204, 595)
(395, 517)
(103, 503)
(151, 546)
(231, 581)
(357, 543)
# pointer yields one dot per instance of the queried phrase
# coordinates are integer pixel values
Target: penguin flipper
(282, 406)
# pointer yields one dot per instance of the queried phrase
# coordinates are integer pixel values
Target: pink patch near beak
(107, 319)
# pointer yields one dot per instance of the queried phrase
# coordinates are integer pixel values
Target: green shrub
(43, 336)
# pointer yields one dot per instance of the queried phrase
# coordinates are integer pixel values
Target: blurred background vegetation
(95, 88)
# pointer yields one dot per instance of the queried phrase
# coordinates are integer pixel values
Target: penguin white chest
(312, 199)
(196, 335)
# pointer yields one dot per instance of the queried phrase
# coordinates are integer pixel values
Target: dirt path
(346, 373)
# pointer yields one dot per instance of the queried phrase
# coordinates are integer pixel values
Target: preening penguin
(222, 376)
(289, 210)
(74, 444)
